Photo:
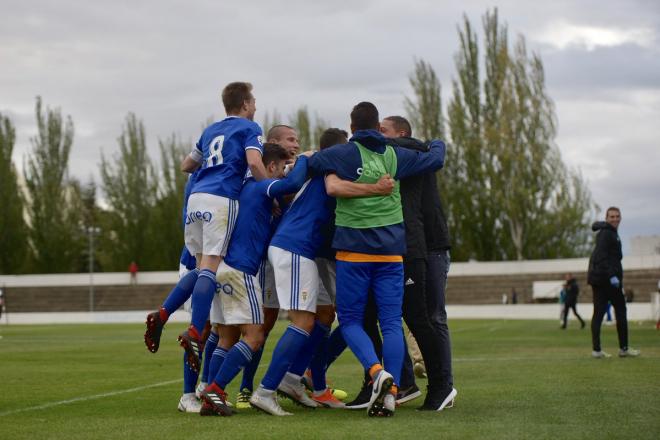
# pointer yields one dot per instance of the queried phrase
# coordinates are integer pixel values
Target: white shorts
(238, 300)
(210, 221)
(267, 281)
(296, 280)
(328, 281)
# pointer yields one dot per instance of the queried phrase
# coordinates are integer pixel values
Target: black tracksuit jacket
(426, 227)
(605, 261)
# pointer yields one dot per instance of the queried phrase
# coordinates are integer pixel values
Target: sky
(167, 62)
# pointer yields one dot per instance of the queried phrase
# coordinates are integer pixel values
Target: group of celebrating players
(314, 234)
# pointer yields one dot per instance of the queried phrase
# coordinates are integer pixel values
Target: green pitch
(515, 379)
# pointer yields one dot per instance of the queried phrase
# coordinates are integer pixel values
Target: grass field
(516, 379)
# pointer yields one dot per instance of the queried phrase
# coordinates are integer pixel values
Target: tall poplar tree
(55, 229)
(130, 188)
(13, 230)
(509, 194)
(166, 228)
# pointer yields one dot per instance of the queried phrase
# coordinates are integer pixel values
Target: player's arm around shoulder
(410, 163)
(293, 181)
(336, 187)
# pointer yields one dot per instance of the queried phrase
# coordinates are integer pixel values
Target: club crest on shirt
(304, 295)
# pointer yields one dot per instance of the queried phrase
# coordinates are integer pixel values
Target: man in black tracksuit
(423, 307)
(606, 279)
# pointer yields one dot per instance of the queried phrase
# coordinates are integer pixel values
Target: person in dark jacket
(425, 265)
(606, 279)
(570, 301)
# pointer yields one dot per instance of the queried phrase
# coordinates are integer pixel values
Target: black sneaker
(363, 397)
(154, 330)
(410, 393)
(193, 346)
(216, 398)
(438, 399)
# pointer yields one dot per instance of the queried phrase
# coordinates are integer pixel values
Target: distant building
(645, 245)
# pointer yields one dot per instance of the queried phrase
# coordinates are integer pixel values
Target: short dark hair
(274, 153)
(332, 136)
(612, 208)
(364, 116)
(273, 133)
(400, 124)
(234, 95)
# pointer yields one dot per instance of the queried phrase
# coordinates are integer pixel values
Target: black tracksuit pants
(602, 295)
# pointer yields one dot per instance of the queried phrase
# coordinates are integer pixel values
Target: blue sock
(237, 357)
(336, 346)
(318, 363)
(189, 377)
(304, 358)
(219, 355)
(181, 292)
(251, 369)
(285, 352)
(211, 344)
(202, 298)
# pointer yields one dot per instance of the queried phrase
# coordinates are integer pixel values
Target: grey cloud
(167, 61)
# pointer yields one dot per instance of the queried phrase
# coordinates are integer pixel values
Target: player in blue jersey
(286, 137)
(224, 153)
(370, 241)
(240, 314)
(292, 253)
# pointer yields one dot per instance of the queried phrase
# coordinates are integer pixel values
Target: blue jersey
(300, 230)
(253, 230)
(223, 161)
(345, 161)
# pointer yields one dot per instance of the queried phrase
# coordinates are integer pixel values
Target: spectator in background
(133, 270)
(2, 302)
(606, 279)
(570, 301)
(630, 295)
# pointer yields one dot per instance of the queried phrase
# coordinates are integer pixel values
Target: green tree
(166, 228)
(509, 194)
(130, 187)
(425, 111)
(13, 231)
(91, 218)
(55, 228)
(309, 132)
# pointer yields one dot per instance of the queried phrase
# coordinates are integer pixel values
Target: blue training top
(250, 238)
(345, 161)
(300, 230)
(222, 150)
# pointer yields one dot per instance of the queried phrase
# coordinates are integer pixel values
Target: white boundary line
(96, 396)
